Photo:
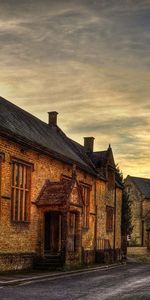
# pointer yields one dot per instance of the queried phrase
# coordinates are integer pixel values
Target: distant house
(59, 201)
(139, 193)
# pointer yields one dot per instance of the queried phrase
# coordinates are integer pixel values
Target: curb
(23, 281)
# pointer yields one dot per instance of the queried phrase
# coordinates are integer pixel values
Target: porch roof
(54, 193)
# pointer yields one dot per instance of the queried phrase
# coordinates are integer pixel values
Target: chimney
(89, 144)
(52, 117)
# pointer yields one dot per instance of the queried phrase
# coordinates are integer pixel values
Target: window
(111, 179)
(72, 232)
(109, 218)
(85, 191)
(21, 177)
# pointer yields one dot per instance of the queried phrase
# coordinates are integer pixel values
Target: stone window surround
(21, 190)
(85, 191)
(109, 218)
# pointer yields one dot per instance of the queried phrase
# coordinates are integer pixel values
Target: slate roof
(99, 158)
(81, 151)
(118, 183)
(29, 130)
(54, 193)
(24, 128)
(143, 184)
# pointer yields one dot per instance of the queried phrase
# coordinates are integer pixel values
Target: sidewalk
(35, 276)
(140, 258)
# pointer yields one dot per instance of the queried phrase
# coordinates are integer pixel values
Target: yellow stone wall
(107, 198)
(27, 237)
(139, 209)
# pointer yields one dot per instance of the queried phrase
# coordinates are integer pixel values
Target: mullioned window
(21, 184)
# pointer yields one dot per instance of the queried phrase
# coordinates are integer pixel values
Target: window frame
(110, 178)
(109, 218)
(20, 191)
(73, 229)
(85, 188)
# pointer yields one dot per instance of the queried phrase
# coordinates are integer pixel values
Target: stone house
(58, 199)
(138, 190)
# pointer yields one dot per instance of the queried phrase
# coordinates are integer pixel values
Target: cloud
(87, 59)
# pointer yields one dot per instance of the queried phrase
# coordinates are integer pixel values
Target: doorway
(53, 232)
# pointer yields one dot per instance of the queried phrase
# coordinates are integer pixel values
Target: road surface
(131, 281)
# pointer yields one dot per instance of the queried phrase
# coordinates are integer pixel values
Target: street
(131, 281)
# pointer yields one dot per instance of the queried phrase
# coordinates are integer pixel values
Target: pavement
(130, 281)
(12, 279)
(143, 258)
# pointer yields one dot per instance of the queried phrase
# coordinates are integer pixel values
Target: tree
(126, 222)
(126, 218)
(119, 174)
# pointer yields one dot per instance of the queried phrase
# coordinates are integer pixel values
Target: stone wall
(136, 209)
(104, 199)
(139, 207)
(146, 220)
(137, 250)
(118, 218)
(28, 237)
(18, 240)
(16, 261)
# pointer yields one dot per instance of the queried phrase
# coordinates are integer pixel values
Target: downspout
(0, 184)
(2, 157)
(95, 229)
(142, 239)
(114, 242)
(142, 223)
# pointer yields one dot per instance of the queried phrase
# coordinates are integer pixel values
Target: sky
(88, 60)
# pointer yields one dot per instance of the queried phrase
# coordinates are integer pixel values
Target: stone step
(49, 262)
(52, 256)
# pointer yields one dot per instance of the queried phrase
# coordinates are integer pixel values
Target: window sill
(20, 222)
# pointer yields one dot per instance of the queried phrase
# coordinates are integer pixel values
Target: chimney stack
(89, 144)
(52, 117)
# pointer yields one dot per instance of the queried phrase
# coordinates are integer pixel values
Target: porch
(60, 223)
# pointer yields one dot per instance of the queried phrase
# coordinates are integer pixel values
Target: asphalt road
(131, 281)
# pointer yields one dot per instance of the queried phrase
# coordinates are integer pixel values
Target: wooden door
(52, 232)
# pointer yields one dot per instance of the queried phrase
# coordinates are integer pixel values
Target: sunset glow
(88, 60)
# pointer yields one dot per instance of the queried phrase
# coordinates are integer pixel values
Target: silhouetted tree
(126, 222)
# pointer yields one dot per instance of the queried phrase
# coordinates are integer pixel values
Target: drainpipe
(142, 223)
(0, 184)
(1, 159)
(142, 238)
(114, 242)
(95, 229)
